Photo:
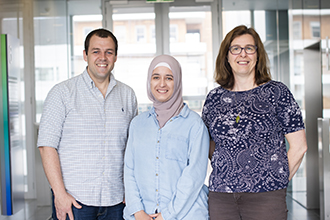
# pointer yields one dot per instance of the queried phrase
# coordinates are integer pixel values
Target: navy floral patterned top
(248, 128)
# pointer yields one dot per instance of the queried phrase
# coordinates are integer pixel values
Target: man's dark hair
(103, 33)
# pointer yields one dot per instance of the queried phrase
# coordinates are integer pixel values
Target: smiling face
(243, 63)
(100, 58)
(162, 83)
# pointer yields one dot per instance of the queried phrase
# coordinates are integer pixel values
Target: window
(120, 31)
(81, 26)
(193, 36)
(86, 30)
(140, 32)
(135, 55)
(191, 45)
(315, 29)
(152, 33)
(173, 33)
(296, 30)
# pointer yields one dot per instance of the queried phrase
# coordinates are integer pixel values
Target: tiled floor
(33, 212)
(30, 212)
(298, 212)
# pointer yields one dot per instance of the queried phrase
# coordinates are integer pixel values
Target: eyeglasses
(249, 49)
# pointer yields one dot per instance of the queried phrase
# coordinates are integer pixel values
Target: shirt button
(157, 141)
(157, 158)
(156, 174)
(156, 190)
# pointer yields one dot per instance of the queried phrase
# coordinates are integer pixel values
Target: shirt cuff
(132, 209)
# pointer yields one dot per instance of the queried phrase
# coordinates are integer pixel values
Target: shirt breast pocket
(177, 148)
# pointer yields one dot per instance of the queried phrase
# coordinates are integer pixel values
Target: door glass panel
(297, 189)
(58, 51)
(81, 26)
(135, 32)
(191, 45)
(231, 19)
(325, 44)
(325, 51)
(325, 81)
(305, 31)
(11, 23)
(51, 46)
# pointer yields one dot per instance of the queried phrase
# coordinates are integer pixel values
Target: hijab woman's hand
(157, 216)
(141, 215)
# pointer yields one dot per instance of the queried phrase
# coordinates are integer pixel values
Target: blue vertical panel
(11, 143)
(6, 199)
(16, 141)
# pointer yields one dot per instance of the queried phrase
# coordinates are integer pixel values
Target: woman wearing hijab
(167, 152)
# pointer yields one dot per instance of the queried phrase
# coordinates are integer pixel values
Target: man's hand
(141, 215)
(63, 206)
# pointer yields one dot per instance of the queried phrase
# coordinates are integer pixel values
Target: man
(82, 136)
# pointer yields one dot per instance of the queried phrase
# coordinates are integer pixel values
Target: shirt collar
(91, 83)
(113, 82)
(88, 79)
(183, 113)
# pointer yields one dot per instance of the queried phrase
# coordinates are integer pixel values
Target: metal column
(324, 167)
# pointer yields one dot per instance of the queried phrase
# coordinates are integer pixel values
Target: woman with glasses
(249, 116)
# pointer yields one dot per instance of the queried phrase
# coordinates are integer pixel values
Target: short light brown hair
(223, 72)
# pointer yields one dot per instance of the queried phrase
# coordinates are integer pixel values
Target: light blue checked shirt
(165, 168)
(90, 134)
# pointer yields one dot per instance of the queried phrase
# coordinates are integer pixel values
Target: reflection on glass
(191, 45)
(51, 49)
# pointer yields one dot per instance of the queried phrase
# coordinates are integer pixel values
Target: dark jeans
(248, 206)
(94, 213)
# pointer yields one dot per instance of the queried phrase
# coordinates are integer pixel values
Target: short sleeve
(52, 119)
(288, 111)
(208, 105)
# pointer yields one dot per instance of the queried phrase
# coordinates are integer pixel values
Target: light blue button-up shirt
(165, 168)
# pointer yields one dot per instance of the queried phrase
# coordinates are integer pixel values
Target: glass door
(310, 52)
(325, 49)
(134, 28)
(324, 152)
(191, 44)
(186, 33)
